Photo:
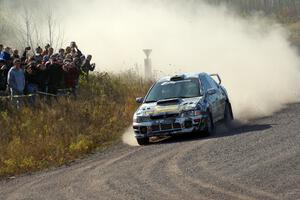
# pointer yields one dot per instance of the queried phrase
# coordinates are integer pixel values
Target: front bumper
(169, 126)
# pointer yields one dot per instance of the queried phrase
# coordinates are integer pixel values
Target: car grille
(165, 127)
(155, 128)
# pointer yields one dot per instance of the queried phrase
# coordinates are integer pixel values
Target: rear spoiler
(218, 77)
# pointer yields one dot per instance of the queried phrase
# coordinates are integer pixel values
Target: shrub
(52, 134)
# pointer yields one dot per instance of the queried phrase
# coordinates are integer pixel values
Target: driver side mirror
(211, 91)
(139, 100)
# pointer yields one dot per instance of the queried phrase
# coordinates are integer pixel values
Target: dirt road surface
(260, 160)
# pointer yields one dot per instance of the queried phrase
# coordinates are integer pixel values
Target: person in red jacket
(71, 76)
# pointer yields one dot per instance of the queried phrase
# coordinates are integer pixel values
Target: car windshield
(174, 89)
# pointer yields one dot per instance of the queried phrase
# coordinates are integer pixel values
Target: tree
(30, 27)
(55, 34)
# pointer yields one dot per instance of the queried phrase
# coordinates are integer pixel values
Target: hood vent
(168, 102)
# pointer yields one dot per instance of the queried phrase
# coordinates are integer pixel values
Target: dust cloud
(258, 65)
(128, 137)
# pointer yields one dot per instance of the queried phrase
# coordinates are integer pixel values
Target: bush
(54, 134)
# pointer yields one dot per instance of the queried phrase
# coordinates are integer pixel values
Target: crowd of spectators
(42, 70)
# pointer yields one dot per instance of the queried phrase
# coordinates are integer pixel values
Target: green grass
(52, 135)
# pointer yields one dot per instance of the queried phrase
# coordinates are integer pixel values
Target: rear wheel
(228, 115)
(143, 141)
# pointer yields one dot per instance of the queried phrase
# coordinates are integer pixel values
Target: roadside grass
(54, 134)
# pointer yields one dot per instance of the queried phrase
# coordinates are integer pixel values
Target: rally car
(182, 104)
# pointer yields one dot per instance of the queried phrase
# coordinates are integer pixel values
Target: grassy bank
(52, 135)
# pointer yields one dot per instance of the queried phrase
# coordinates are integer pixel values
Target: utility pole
(148, 64)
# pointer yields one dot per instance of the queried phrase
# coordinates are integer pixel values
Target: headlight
(141, 119)
(191, 113)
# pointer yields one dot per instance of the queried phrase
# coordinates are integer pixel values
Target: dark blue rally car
(182, 104)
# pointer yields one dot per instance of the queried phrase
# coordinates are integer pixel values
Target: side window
(205, 83)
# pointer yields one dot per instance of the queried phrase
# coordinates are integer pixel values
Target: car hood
(148, 109)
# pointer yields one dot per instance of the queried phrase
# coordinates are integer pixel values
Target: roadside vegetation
(53, 134)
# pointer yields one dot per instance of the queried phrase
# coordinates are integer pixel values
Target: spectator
(77, 62)
(50, 53)
(69, 57)
(86, 66)
(68, 50)
(16, 78)
(31, 78)
(61, 54)
(55, 75)
(46, 51)
(3, 75)
(41, 76)
(71, 76)
(38, 57)
(25, 54)
(5, 55)
(82, 58)
(75, 52)
(15, 54)
(45, 71)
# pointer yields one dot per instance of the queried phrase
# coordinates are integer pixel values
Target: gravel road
(260, 160)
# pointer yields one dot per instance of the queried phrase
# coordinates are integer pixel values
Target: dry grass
(52, 135)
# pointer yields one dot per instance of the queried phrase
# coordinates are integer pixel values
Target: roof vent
(177, 78)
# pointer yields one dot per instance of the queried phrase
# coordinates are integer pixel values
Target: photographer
(75, 52)
(25, 53)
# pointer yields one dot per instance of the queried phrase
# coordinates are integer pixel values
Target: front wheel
(209, 126)
(143, 141)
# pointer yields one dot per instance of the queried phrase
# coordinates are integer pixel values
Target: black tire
(228, 115)
(143, 141)
(210, 127)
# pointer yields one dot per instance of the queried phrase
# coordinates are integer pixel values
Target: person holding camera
(25, 54)
(75, 52)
